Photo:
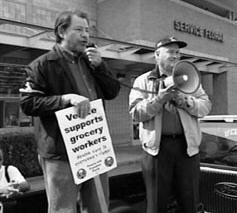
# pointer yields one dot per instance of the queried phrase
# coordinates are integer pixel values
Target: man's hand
(166, 94)
(183, 101)
(80, 102)
(9, 190)
(94, 56)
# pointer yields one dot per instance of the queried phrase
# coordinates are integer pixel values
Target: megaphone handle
(171, 88)
(168, 81)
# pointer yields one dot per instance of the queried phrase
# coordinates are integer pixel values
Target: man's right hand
(166, 94)
(8, 190)
(80, 102)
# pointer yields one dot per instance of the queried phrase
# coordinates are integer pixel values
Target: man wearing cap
(169, 132)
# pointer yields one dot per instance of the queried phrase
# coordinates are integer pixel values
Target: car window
(219, 142)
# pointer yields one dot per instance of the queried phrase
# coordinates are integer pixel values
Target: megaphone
(185, 77)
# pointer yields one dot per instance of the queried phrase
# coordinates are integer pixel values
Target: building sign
(198, 31)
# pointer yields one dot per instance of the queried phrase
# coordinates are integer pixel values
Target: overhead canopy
(33, 40)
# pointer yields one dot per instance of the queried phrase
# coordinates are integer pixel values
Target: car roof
(226, 118)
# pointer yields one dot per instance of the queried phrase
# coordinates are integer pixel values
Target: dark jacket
(50, 75)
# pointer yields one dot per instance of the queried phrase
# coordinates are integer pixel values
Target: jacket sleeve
(142, 105)
(35, 100)
(108, 84)
(197, 104)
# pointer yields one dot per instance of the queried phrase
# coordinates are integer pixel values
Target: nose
(176, 55)
(84, 33)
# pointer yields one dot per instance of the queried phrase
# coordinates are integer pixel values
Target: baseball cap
(170, 40)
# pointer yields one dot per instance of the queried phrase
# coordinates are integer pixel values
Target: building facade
(125, 31)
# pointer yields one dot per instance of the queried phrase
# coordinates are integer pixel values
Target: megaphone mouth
(186, 77)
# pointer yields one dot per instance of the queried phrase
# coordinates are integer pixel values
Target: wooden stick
(100, 195)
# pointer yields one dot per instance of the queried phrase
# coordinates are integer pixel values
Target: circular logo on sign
(81, 173)
(109, 161)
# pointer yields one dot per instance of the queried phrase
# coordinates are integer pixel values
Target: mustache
(91, 44)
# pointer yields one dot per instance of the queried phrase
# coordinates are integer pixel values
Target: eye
(79, 29)
(87, 30)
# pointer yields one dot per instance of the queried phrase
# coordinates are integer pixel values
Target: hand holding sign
(88, 142)
(80, 102)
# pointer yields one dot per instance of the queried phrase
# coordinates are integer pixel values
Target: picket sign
(89, 145)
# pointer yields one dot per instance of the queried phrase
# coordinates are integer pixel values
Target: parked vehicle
(218, 153)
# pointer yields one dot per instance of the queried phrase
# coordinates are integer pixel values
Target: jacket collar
(154, 74)
(55, 53)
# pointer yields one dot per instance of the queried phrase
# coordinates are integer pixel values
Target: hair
(63, 21)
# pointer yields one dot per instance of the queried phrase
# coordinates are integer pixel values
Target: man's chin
(169, 70)
(80, 50)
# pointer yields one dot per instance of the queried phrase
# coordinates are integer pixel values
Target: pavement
(128, 162)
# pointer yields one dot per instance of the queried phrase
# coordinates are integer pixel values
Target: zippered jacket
(147, 109)
(48, 78)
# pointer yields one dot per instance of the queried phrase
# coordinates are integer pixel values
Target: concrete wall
(232, 91)
(150, 20)
(157, 21)
(119, 20)
(41, 12)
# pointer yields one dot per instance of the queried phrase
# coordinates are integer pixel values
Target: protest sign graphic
(88, 142)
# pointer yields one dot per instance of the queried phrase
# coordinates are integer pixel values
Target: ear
(61, 32)
(157, 53)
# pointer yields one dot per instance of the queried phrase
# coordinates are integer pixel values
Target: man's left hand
(182, 100)
(94, 56)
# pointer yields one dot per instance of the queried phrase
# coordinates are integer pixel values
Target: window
(12, 78)
(11, 114)
(213, 7)
(219, 141)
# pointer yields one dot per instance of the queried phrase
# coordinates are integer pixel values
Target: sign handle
(100, 195)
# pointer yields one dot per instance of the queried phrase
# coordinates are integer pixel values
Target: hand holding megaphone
(182, 100)
(169, 81)
(166, 94)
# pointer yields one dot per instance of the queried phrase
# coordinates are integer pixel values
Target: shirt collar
(154, 74)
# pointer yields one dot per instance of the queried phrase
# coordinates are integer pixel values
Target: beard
(167, 68)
